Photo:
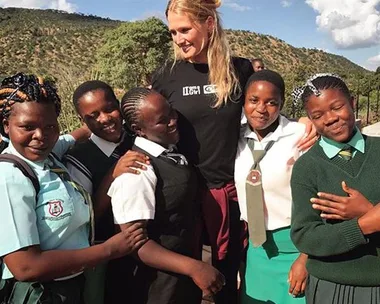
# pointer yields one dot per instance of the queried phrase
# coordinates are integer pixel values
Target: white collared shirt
(81, 176)
(107, 147)
(276, 168)
(3, 138)
(133, 195)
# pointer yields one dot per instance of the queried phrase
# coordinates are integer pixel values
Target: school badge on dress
(254, 177)
(55, 208)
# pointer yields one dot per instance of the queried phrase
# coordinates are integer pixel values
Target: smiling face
(258, 65)
(191, 37)
(158, 121)
(332, 114)
(102, 115)
(262, 107)
(33, 129)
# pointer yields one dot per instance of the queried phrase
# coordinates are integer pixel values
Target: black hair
(253, 60)
(131, 103)
(90, 86)
(26, 88)
(323, 83)
(270, 76)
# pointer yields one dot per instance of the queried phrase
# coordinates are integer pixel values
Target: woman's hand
(127, 241)
(130, 162)
(207, 278)
(81, 134)
(370, 222)
(297, 276)
(311, 135)
(337, 207)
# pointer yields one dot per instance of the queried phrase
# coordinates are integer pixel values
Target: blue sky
(345, 27)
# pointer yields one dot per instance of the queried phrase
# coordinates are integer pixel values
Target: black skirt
(325, 292)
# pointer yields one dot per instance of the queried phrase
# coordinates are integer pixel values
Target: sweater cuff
(352, 233)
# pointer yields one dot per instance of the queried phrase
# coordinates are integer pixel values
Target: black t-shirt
(209, 136)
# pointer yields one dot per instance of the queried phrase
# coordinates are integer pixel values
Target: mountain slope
(43, 41)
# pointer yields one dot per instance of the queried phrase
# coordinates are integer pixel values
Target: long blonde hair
(222, 75)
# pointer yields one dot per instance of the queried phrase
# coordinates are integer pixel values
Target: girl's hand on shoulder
(298, 276)
(130, 162)
(311, 135)
(128, 240)
(81, 134)
(207, 278)
(335, 207)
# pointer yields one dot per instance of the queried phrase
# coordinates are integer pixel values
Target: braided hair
(318, 82)
(26, 88)
(324, 83)
(131, 103)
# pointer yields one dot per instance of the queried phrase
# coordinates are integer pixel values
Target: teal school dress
(58, 219)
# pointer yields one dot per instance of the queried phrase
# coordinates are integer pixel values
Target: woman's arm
(33, 264)
(298, 275)
(309, 232)
(206, 277)
(130, 162)
(81, 134)
(311, 135)
(337, 207)
(20, 244)
(370, 222)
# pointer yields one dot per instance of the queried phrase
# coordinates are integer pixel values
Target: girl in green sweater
(334, 224)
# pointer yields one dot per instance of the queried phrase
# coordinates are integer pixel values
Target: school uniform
(4, 141)
(55, 218)
(344, 267)
(164, 194)
(208, 139)
(88, 163)
(267, 266)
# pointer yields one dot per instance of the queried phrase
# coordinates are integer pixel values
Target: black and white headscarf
(298, 92)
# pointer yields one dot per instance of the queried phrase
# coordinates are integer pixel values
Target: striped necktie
(65, 177)
(177, 158)
(346, 153)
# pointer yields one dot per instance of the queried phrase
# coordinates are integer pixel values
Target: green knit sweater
(338, 251)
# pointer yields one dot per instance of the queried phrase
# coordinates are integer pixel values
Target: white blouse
(276, 169)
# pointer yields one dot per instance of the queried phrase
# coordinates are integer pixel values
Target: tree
(295, 78)
(367, 89)
(132, 52)
(377, 86)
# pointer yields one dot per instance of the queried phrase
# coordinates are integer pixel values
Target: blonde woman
(205, 85)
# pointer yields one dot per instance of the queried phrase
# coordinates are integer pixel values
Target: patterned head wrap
(299, 91)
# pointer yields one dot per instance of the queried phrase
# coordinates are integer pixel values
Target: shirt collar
(107, 147)
(282, 130)
(3, 138)
(149, 146)
(37, 165)
(332, 148)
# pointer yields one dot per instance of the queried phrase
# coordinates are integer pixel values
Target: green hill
(280, 56)
(44, 40)
(64, 46)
